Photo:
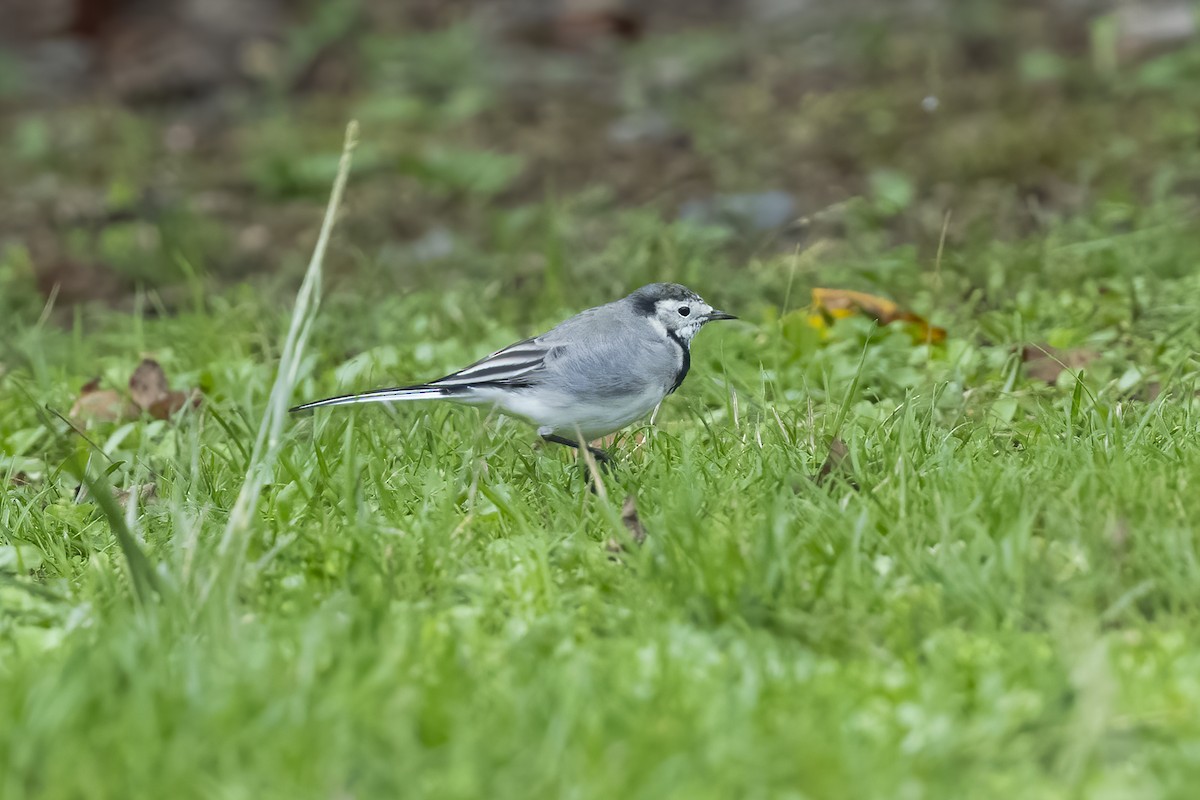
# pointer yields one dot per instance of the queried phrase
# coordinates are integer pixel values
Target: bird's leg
(602, 458)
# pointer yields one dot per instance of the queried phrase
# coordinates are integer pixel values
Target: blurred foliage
(1006, 602)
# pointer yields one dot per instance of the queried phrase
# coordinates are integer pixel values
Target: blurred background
(536, 146)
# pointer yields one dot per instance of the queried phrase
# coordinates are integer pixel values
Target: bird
(591, 375)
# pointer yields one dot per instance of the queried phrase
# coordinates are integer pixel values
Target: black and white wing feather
(512, 367)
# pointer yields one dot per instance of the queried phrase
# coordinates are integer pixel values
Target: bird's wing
(511, 366)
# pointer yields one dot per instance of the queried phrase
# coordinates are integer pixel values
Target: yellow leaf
(833, 304)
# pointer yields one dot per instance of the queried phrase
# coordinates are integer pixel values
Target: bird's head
(679, 310)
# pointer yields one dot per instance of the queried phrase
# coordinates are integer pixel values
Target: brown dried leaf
(837, 464)
(149, 388)
(144, 492)
(165, 407)
(838, 452)
(148, 392)
(840, 303)
(632, 522)
(103, 405)
(148, 384)
(1046, 363)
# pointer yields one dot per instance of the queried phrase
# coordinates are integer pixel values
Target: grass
(426, 603)
(428, 606)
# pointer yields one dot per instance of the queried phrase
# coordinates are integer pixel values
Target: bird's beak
(715, 315)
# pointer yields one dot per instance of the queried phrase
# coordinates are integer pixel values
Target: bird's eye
(684, 311)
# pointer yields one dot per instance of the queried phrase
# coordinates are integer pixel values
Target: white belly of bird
(571, 417)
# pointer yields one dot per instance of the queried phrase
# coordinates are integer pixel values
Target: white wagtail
(591, 375)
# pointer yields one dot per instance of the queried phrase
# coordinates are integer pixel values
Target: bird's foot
(603, 460)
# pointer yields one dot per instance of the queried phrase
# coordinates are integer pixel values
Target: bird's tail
(378, 396)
